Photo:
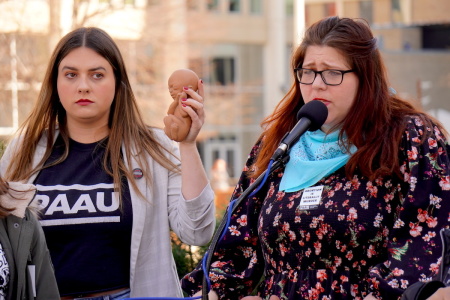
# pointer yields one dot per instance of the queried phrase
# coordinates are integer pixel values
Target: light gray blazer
(152, 267)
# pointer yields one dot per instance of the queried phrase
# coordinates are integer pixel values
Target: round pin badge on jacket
(137, 173)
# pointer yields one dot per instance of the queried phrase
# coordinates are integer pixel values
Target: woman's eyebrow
(75, 69)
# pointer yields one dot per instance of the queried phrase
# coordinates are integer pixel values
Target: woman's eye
(70, 75)
(98, 75)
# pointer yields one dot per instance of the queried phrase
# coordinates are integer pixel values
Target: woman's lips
(84, 102)
(324, 101)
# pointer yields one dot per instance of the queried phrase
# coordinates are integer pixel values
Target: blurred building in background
(240, 48)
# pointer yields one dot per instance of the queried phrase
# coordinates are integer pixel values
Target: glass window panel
(235, 5)
(256, 6)
(213, 5)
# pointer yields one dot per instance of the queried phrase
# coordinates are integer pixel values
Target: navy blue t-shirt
(87, 233)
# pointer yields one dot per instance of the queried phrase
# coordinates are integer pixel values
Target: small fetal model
(178, 122)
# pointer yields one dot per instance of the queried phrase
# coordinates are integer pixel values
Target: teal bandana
(313, 157)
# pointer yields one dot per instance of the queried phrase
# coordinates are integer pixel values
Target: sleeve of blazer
(192, 220)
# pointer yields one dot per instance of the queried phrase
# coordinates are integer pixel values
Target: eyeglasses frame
(320, 72)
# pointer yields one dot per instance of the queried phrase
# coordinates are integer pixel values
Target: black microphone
(311, 116)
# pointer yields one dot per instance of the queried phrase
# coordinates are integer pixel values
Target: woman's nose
(318, 80)
(83, 86)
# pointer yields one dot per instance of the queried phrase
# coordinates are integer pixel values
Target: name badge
(311, 198)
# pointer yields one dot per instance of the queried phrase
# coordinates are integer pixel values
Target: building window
(289, 8)
(256, 7)
(222, 71)
(153, 2)
(395, 4)
(396, 11)
(213, 5)
(366, 10)
(223, 147)
(436, 36)
(235, 5)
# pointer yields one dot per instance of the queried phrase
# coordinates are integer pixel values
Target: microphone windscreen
(316, 112)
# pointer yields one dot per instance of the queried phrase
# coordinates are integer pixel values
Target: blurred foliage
(187, 257)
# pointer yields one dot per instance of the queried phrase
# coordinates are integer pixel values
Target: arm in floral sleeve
(415, 248)
(237, 264)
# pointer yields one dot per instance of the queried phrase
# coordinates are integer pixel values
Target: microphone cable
(230, 210)
(223, 231)
(249, 192)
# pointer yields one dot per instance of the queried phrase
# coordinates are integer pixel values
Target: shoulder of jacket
(162, 138)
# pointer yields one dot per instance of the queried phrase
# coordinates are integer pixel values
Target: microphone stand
(280, 162)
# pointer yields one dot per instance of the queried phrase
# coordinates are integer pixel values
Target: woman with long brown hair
(356, 211)
(110, 187)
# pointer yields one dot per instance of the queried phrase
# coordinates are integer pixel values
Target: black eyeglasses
(329, 77)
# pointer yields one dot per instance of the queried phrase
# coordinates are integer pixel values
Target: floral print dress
(362, 237)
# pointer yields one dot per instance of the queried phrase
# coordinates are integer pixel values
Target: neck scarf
(313, 157)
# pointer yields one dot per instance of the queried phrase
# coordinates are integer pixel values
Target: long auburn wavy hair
(125, 122)
(376, 120)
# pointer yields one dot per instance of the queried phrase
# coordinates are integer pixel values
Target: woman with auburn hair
(110, 187)
(357, 210)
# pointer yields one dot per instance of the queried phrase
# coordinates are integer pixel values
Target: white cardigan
(152, 267)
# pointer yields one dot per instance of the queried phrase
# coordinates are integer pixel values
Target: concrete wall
(422, 77)
(429, 11)
(398, 38)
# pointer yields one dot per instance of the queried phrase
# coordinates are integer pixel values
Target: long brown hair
(375, 122)
(4, 189)
(126, 125)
